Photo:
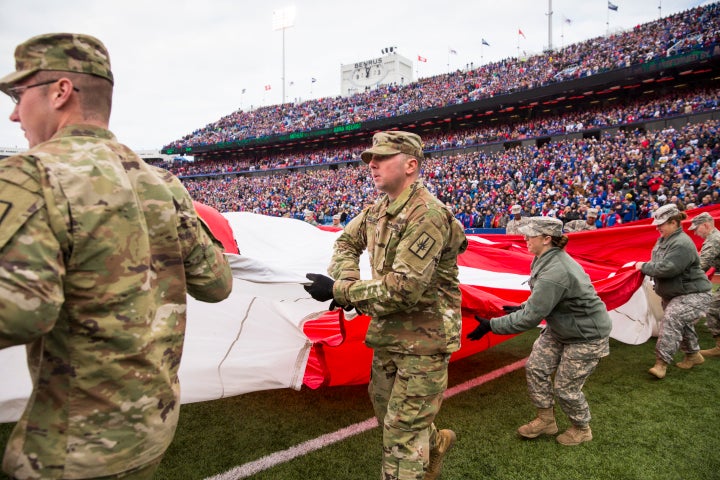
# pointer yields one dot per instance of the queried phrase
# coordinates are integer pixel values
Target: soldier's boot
(544, 423)
(691, 360)
(575, 435)
(660, 369)
(713, 352)
(445, 441)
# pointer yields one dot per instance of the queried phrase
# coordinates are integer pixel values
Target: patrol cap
(392, 143)
(592, 212)
(542, 226)
(515, 209)
(65, 52)
(700, 219)
(336, 216)
(664, 213)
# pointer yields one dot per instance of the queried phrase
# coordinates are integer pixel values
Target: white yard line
(269, 461)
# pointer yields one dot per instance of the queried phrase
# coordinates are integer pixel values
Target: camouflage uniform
(578, 226)
(97, 253)
(684, 290)
(513, 226)
(413, 300)
(710, 257)
(577, 335)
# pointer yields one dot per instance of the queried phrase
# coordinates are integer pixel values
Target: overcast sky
(181, 64)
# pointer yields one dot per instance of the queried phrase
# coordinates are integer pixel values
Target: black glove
(334, 305)
(480, 330)
(511, 308)
(322, 287)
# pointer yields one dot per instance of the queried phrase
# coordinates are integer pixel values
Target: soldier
(576, 337)
(582, 225)
(513, 225)
(683, 288)
(413, 300)
(97, 253)
(704, 227)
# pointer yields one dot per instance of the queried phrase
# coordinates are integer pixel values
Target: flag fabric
(452, 51)
(520, 32)
(422, 59)
(485, 42)
(612, 6)
(267, 87)
(271, 334)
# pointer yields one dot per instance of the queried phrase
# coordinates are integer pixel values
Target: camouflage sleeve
(345, 262)
(709, 253)
(207, 273)
(31, 262)
(412, 270)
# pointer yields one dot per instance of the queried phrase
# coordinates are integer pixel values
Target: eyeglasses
(15, 93)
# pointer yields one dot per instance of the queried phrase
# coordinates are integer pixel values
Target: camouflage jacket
(563, 295)
(414, 295)
(97, 253)
(513, 226)
(710, 251)
(578, 226)
(675, 267)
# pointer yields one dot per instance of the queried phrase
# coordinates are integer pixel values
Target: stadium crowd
(625, 174)
(670, 35)
(651, 108)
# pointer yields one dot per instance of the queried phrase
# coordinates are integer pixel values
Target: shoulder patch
(422, 245)
(14, 214)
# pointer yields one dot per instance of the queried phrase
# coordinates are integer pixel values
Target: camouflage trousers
(572, 364)
(677, 327)
(406, 392)
(713, 315)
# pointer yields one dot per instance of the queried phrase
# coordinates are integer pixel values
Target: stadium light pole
(282, 20)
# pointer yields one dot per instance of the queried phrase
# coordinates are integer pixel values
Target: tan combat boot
(713, 352)
(575, 435)
(659, 369)
(691, 360)
(543, 423)
(445, 441)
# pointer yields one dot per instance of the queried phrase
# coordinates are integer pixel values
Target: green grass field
(644, 428)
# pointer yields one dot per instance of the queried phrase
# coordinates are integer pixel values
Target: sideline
(269, 461)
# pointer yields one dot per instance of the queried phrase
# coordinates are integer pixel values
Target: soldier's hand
(511, 308)
(334, 305)
(321, 288)
(480, 330)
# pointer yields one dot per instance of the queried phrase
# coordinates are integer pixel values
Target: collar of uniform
(81, 130)
(398, 204)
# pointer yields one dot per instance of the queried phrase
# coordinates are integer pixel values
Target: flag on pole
(520, 32)
(612, 6)
(267, 87)
(422, 59)
(485, 42)
(452, 51)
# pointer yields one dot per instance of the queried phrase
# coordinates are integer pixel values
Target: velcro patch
(422, 245)
(4, 209)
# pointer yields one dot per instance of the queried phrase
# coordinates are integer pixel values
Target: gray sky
(181, 64)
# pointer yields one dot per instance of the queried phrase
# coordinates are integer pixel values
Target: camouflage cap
(515, 209)
(542, 226)
(665, 213)
(700, 219)
(65, 52)
(392, 143)
(592, 212)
